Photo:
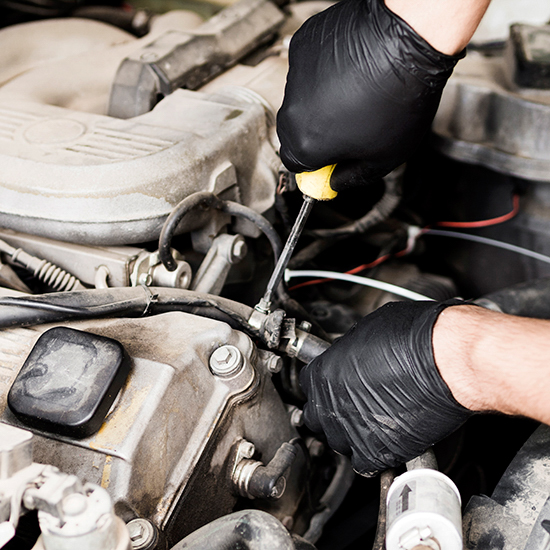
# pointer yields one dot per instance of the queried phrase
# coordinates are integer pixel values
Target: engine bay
(146, 401)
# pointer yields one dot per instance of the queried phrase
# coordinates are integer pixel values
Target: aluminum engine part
(485, 119)
(93, 179)
(187, 60)
(85, 177)
(167, 447)
(120, 265)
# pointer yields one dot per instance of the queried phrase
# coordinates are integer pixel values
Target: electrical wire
(365, 281)
(490, 242)
(416, 232)
(485, 223)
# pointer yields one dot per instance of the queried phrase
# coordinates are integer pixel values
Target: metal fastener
(275, 364)
(226, 361)
(142, 534)
(239, 249)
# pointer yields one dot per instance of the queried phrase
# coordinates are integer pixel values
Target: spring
(55, 277)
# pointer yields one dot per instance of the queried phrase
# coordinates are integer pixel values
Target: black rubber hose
(207, 200)
(528, 299)
(77, 305)
(246, 530)
(120, 302)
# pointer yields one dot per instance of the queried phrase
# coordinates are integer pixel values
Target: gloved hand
(362, 89)
(376, 393)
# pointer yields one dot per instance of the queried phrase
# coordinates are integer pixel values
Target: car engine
(146, 401)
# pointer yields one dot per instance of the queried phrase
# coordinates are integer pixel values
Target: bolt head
(239, 249)
(297, 418)
(246, 449)
(142, 533)
(226, 361)
(275, 364)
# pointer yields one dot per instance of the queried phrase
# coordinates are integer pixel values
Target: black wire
(45, 306)
(207, 200)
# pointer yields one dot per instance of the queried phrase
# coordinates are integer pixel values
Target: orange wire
(485, 223)
(463, 225)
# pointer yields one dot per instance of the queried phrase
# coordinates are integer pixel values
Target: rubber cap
(69, 382)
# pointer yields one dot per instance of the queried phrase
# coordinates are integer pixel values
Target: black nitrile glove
(362, 90)
(376, 393)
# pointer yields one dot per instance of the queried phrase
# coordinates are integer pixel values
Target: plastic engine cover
(94, 179)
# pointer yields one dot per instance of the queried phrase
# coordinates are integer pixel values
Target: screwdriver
(316, 187)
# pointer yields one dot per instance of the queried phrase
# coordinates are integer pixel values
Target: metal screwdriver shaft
(264, 304)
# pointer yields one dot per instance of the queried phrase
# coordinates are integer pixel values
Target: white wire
(373, 283)
(490, 242)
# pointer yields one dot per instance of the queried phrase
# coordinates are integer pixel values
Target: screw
(142, 534)
(305, 326)
(226, 360)
(275, 364)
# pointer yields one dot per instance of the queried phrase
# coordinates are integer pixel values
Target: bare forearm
(492, 361)
(448, 25)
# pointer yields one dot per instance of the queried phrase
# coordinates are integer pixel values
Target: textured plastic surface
(423, 504)
(68, 382)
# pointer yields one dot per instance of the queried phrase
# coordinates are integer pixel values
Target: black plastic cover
(68, 382)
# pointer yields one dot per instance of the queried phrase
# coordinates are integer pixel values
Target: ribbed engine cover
(94, 179)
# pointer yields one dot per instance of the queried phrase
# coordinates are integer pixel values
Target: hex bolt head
(239, 249)
(274, 364)
(297, 418)
(226, 361)
(142, 534)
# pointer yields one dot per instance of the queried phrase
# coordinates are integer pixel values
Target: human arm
(411, 373)
(495, 362)
(363, 86)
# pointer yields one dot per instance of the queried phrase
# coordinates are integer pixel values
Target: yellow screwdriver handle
(317, 184)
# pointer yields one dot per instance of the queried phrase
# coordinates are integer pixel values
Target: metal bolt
(274, 364)
(297, 417)
(246, 448)
(142, 533)
(239, 249)
(226, 360)
(305, 326)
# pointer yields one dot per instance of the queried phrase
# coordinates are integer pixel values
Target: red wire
(485, 223)
(464, 225)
